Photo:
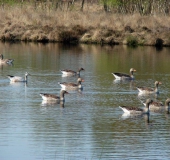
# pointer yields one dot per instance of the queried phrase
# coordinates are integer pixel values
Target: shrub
(132, 41)
(68, 37)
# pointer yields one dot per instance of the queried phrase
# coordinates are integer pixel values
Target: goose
(18, 79)
(147, 90)
(123, 76)
(136, 110)
(53, 97)
(46, 103)
(159, 107)
(71, 72)
(65, 85)
(5, 61)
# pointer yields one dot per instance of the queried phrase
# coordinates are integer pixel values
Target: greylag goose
(68, 72)
(159, 107)
(124, 76)
(65, 85)
(147, 90)
(53, 97)
(5, 61)
(19, 79)
(136, 110)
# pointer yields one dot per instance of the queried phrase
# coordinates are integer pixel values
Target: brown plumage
(50, 97)
(71, 72)
(159, 106)
(77, 85)
(136, 110)
(148, 90)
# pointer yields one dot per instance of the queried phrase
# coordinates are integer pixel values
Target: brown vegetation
(28, 22)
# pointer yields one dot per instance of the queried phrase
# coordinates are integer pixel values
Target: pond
(90, 124)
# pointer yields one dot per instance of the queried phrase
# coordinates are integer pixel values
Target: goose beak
(160, 82)
(82, 80)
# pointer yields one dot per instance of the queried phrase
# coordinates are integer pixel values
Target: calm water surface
(90, 124)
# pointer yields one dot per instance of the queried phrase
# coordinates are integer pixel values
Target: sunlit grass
(27, 23)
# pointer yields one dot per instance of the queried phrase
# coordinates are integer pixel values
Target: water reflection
(122, 81)
(87, 125)
(5, 65)
(135, 116)
(130, 82)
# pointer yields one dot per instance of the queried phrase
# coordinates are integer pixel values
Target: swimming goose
(53, 97)
(19, 79)
(136, 110)
(66, 85)
(123, 76)
(159, 107)
(5, 61)
(71, 72)
(147, 90)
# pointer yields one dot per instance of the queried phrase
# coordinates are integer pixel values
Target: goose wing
(15, 78)
(132, 108)
(157, 104)
(50, 95)
(145, 89)
(121, 75)
(69, 84)
(68, 71)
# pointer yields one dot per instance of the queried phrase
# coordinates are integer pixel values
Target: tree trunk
(82, 5)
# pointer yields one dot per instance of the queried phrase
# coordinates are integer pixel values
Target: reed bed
(72, 25)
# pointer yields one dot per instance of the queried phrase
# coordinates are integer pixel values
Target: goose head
(157, 83)
(148, 102)
(81, 69)
(79, 80)
(132, 70)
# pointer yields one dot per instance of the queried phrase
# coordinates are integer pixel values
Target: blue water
(90, 124)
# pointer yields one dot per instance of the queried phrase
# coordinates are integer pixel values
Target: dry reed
(29, 24)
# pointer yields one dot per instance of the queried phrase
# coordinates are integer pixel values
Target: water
(90, 124)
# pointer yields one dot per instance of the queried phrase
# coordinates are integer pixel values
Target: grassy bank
(93, 25)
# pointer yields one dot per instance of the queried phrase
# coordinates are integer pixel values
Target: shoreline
(29, 25)
(79, 35)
